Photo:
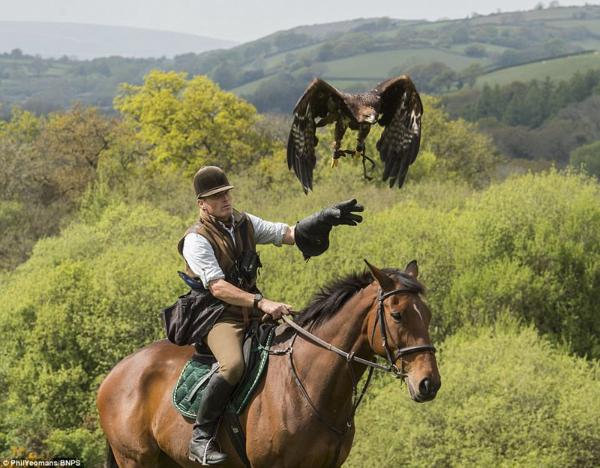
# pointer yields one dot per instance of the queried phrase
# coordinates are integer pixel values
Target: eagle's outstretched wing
(401, 110)
(320, 101)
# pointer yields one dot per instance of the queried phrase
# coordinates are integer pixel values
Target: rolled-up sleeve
(266, 232)
(200, 257)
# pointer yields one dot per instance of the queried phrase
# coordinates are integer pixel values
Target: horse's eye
(397, 316)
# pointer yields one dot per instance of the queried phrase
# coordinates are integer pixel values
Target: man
(220, 253)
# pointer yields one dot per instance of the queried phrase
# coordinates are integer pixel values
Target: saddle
(196, 373)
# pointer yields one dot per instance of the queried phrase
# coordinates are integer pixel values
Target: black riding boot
(202, 446)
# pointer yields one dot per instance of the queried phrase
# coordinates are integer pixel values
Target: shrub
(587, 157)
(532, 244)
(508, 398)
(528, 247)
(81, 303)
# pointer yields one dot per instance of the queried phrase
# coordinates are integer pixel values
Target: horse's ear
(412, 269)
(386, 283)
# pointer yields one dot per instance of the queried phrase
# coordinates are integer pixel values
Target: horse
(302, 412)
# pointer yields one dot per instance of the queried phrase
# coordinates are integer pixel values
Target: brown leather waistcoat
(226, 252)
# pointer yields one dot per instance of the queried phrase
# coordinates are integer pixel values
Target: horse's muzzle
(427, 390)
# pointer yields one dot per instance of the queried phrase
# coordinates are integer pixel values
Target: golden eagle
(394, 104)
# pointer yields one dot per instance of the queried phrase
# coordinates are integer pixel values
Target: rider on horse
(221, 265)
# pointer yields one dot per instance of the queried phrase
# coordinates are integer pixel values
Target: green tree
(431, 77)
(462, 150)
(72, 143)
(587, 157)
(190, 123)
(96, 298)
(46, 165)
(20, 163)
(470, 74)
(475, 50)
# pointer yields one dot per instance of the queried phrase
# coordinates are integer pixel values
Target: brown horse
(302, 412)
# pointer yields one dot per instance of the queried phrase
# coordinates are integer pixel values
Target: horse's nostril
(425, 387)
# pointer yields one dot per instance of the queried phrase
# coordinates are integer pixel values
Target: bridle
(399, 354)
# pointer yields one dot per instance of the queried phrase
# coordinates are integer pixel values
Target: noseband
(399, 352)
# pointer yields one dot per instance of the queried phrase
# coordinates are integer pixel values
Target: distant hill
(358, 54)
(271, 72)
(87, 41)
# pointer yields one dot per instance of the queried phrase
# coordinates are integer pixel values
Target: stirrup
(204, 461)
(210, 441)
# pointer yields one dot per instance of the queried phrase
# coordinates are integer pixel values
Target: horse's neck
(326, 373)
(345, 328)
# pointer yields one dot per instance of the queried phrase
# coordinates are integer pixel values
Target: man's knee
(232, 371)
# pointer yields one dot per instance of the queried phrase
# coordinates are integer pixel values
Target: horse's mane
(325, 303)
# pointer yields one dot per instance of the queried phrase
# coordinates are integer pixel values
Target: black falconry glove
(312, 233)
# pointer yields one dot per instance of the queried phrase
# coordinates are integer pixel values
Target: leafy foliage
(191, 123)
(96, 298)
(431, 77)
(508, 398)
(531, 103)
(521, 248)
(446, 139)
(527, 119)
(47, 163)
(527, 247)
(588, 157)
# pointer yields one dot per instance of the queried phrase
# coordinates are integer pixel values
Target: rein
(336, 350)
(350, 357)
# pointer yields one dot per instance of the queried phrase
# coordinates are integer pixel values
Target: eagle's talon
(337, 154)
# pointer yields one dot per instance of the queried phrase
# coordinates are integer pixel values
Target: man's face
(218, 205)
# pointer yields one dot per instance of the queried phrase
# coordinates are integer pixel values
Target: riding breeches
(225, 341)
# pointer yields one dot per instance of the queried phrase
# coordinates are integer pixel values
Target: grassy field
(552, 14)
(591, 25)
(368, 69)
(557, 69)
(249, 88)
(371, 67)
(377, 65)
(278, 59)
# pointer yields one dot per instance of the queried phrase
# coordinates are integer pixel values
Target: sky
(245, 20)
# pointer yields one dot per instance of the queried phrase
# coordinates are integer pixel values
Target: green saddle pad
(195, 375)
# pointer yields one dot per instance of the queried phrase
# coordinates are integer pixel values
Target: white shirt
(200, 256)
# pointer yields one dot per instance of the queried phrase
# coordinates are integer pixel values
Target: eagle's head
(364, 107)
(364, 114)
(367, 115)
